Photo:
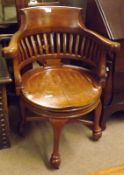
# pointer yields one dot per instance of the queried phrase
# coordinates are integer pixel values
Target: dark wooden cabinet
(106, 17)
(4, 124)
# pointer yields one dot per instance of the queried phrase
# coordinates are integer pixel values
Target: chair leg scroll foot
(55, 161)
(96, 135)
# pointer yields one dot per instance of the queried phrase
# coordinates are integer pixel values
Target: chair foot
(55, 161)
(96, 135)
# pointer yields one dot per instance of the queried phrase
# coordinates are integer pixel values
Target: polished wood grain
(56, 88)
(59, 69)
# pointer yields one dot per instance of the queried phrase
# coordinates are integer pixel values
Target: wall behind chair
(75, 3)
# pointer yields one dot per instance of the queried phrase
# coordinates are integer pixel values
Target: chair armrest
(103, 41)
(107, 46)
(12, 50)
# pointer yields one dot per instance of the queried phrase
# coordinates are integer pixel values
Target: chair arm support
(18, 78)
(101, 71)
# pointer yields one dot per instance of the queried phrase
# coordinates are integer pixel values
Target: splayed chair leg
(57, 125)
(97, 131)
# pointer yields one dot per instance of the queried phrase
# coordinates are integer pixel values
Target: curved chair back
(57, 32)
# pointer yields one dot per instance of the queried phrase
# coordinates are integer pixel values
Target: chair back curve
(48, 18)
(51, 32)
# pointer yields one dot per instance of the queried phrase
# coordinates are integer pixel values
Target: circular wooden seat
(60, 88)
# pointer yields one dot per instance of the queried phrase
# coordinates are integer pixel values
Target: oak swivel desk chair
(54, 90)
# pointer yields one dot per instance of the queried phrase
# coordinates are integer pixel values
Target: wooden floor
(117, 170)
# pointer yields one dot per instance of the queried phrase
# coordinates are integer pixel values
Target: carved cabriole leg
(97, 131)
(57, 125)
